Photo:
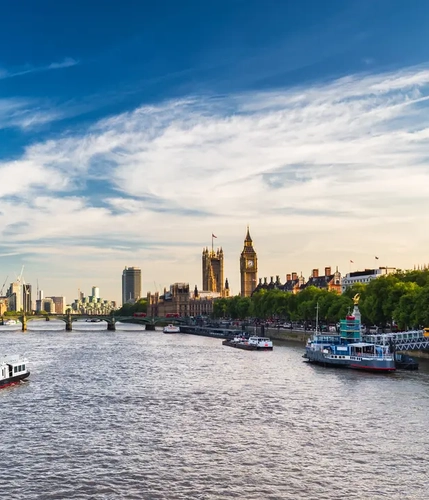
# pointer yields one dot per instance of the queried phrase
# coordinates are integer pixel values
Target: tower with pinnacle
(248, 267)
(212, 262)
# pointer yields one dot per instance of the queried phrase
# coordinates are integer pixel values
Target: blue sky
(130, 131)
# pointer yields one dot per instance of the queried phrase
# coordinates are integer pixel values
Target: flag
(351, 262)
(213, 236)
(376, 258)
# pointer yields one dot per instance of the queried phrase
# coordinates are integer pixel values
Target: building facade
(248, 267)
(131, 284)
(365, 276)
(212, 266)
(59, 304)
(181, 301)
(330, 281)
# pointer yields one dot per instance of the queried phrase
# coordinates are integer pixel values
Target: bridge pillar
(69, 323)
(150, 327)
(24, 323)
(111, 325)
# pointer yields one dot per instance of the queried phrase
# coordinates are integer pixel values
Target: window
(15, 369)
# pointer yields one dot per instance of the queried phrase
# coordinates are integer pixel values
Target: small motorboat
(171, 329)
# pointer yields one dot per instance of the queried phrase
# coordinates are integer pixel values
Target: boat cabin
(12, 368)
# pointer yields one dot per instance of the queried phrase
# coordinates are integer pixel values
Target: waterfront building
(248, 267)
(59, 304)
(47, 305)
(364, 276)
(294, 284)
(96, 292)
(181, 301)
(212, 266)
(131, 284)
(3, 305)
(329, 281)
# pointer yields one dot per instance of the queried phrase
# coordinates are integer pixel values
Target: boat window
(23, 367)
(15, 369)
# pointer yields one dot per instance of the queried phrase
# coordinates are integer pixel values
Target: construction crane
(2, 288)
(19, 278)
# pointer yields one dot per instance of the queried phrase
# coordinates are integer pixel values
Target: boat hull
(7, 382)
(364, 364)
(246, 347)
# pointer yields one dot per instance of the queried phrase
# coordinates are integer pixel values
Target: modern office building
(59, 304)
(14, 296)
(131, 284)
(96, 292)
(27, 303)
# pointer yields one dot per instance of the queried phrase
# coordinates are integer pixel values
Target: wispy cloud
(322, 173)
(24, 70)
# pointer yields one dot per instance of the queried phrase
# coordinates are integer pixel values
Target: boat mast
(317, 316)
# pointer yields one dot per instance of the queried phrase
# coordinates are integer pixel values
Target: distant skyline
(130, 134)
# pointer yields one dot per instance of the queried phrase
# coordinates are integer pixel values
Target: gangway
(413, 340)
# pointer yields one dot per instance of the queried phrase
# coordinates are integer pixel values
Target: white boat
(250, 344)
(11, 322)
(13, 369)
(171, 329)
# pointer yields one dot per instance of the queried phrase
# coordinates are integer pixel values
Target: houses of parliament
(213, 270)
(179, 299)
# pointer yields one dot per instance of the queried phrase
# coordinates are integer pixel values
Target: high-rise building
(248, 267)
(96, 292)
(14, 295)
(59, 304)
(213, 270)
(27, 304)
(131, 284)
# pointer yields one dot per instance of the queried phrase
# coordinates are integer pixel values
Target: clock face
(250, 263)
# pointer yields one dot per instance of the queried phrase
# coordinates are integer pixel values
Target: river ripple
(142, 415)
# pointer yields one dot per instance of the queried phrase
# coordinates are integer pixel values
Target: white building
(364, 276)
(96, 292)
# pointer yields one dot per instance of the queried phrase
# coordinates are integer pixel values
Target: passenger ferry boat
(250, 344)
(13, 369)
(171, 329)
(347, 350)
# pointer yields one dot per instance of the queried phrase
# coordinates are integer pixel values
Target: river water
(142, 415)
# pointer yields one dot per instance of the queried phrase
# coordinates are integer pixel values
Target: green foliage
(402, 298)
(129, 309)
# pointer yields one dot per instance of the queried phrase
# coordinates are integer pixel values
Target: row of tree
(129, 309)
(401, 298)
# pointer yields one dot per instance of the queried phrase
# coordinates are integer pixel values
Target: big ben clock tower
(248, 267)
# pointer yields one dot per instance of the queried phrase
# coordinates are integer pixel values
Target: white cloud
(24, 70)
(323, 173)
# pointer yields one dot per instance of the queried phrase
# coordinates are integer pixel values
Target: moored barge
(250, 344)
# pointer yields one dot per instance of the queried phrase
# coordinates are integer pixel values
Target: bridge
(413, 340)
(69, 319)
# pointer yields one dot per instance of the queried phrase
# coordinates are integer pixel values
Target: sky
(131, 131)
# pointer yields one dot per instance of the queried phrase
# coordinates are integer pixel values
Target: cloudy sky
(129, 134)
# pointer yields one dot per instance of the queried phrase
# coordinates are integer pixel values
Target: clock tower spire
(248, 267)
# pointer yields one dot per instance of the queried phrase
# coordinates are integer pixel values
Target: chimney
(272, 280)
(315, 273)
(260, 281)
(328, 271)
(277, 279)
(287, 277)
(265, 281)
(294, 276)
